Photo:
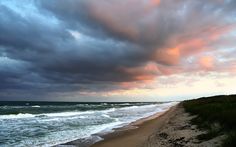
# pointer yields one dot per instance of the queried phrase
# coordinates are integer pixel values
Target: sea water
(50, 123)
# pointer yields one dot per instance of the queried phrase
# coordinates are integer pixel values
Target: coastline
(138, 135)
(143, 126)
(115, 132)
(166, 129)
(172, 128)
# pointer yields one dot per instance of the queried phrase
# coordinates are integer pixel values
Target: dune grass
(215, 114)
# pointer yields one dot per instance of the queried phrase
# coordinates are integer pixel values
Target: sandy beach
(172, 128)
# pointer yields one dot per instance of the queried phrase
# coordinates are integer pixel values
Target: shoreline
(135, 136)
(172, 128)
(99, 138)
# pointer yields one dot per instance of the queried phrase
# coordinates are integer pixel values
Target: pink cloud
(207, 62)
(146, 72)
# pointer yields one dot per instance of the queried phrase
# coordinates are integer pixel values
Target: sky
(113, 50)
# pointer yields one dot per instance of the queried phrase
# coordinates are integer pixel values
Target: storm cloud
(91, 46)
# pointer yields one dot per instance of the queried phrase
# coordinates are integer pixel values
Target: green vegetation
(215, 114)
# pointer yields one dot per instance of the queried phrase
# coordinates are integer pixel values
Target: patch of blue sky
(29, 10)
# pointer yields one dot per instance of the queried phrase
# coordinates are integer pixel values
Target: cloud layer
(48, 47)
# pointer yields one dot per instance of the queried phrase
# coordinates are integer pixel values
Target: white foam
(124, 104)
(109, 110)
(131, 107)
(16, 116)
(105, 115)
(67, 136)
(27, 115)
(63, 114)
(36, 106)
(138, 107)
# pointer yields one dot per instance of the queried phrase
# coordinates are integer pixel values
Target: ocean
(52, 123)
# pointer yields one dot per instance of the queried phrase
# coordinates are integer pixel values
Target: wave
(138, 107)
(68, 113)
(108, 110)
(105, 115)
(27, 115)
(14, 116)
(124, 104)
(36, 106)
(60, 127)
(130, 107)
(60, 114)
(161, 107)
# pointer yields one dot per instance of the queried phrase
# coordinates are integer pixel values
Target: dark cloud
(76, 45)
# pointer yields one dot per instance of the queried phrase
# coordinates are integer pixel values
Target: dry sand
(172, 129)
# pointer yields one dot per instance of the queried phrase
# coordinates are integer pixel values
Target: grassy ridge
(217, 115)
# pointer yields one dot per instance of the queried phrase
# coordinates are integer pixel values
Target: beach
(171, 128)
(109, 125)
(136, 137)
